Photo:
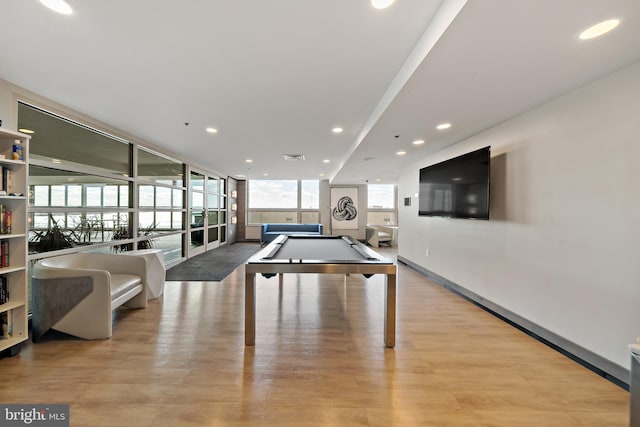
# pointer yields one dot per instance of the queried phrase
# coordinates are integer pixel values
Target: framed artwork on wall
(344, 208)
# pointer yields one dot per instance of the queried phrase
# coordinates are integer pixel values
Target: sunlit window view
(381, 204)
(283, 201)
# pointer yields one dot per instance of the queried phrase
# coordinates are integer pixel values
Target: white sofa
(77, 293)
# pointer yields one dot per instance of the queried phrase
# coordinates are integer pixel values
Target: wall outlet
(427, 252)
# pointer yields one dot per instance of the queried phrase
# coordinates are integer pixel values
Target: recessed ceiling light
(249, 161)
(321, 174)
(265, 174)
(418, 142)
(337, 130)
(23, 130)
(56, 161)
(326, 161)
(599, 29)
(377, 179)
(59, 6)
(443, 126)
(212, 130)
(381, 4)
(401, 153)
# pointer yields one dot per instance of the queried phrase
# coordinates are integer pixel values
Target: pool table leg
(249, 309)
(390, 311)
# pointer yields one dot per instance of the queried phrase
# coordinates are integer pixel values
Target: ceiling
(274, 77)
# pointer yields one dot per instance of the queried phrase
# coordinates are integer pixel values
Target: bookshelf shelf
(13, 241)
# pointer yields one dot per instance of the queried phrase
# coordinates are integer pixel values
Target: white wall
(562, 248)
(7, 106)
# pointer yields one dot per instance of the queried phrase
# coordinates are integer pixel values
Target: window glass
(382, 217)
(58, 195)
(46, 181)
(146, 195)
(212, 185)
(280, 217)
(74, 195)
(68, 143)
(197, 200)
(146, 220)
(212, 234)
(171, 246)
(310, 217)
(177, 198)
(196, 181)
(381, 196)
(40, 195)
(94, 196)
(110, 194)
(269, 194)
(212, 201)
(163, 197)
(52, 231)
(310, 197)
(157, 168)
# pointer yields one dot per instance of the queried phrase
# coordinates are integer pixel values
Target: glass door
(213, 217)
(196, 214)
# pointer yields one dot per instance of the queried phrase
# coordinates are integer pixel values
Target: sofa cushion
(123, 283)
(300, 228)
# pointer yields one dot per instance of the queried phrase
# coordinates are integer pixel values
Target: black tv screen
(457, 188)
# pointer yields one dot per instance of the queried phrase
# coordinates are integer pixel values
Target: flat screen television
(457, 188)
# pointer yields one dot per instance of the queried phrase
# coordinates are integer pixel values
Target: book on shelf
(6, 181)
(4, 253)
(5, 220)
(4, 290)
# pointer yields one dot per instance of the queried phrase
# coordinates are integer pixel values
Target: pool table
(324, 255)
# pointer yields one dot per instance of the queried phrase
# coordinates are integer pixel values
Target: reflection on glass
(52, 231)
(223, 234)
(212, 235)
(197, 200)
(58, 195)
(71, 143)
(171, 246)
(146, 195)
(212, 201)
(177, 198)
(53, 187)
(197, 218)
(163, 197)
(196, 181)
(196, 239)
(157, 168)
(212, 185)
(212, 217)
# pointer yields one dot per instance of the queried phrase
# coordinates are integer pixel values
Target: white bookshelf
(14, 312)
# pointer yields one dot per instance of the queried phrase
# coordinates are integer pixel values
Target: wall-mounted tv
(458, 187)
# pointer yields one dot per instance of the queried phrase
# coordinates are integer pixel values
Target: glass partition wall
(92, 191)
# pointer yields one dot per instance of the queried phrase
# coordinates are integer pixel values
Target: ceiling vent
(293, 156)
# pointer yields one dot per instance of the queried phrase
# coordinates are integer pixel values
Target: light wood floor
(319, 360)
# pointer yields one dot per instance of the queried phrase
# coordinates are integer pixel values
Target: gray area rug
(215, 264)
